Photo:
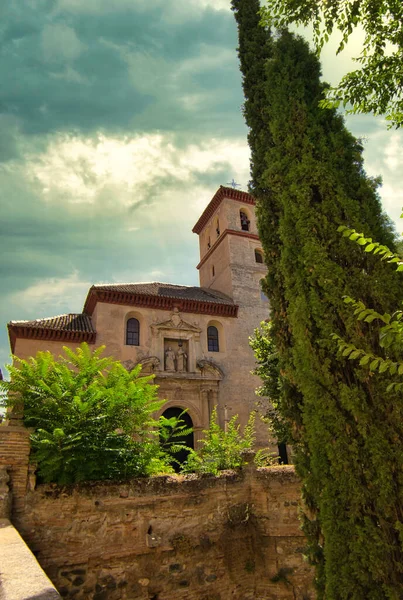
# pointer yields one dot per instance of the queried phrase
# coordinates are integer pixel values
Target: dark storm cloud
(49, 241)
(71, 70)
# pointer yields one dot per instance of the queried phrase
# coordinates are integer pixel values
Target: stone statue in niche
(170, 359)
(181, 360)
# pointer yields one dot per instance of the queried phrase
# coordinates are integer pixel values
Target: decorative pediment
(209, 368)
(176, 323)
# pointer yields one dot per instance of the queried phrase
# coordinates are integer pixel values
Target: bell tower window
(244, 221)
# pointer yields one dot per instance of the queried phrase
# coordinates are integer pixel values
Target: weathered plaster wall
(24, 348)
(170, 538)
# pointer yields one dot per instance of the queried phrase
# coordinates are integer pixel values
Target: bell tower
(231, 257)
(231, 262)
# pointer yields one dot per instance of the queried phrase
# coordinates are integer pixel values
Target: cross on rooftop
(234, 184)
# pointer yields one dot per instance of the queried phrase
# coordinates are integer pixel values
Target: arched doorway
(188, 440)
(282, 454)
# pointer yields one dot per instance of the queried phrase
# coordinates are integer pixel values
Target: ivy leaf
(392, 369)
(370, 247)
(347, 351)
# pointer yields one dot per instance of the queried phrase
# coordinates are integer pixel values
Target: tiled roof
(79, 323)
(167, 290)
(221, 193)
(63, 328)
(164, 296)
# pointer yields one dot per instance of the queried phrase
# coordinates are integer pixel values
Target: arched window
(212, 339)
(244, 221)
(218, 228)
(132, 332)
(258, 256)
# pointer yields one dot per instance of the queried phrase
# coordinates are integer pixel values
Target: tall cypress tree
(347, 429)
(254, 51)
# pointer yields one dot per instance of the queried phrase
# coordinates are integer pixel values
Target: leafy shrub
(264, 457)
(173, 431)
(92, 419)
(221, 449)
(268, 369)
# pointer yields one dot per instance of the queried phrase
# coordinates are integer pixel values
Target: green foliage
(347, 430)
(172, 432)
(376, 85)
(268, 369)
(92, 419)
(256, 50)
(265, 458)
(221, 449)
(370, 246)
(390, 325)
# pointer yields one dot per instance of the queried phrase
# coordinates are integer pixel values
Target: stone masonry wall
(14, 457)
(172, 538)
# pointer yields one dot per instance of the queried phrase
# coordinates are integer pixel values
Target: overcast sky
(119, 120)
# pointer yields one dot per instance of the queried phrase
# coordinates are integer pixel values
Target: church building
(195, 340)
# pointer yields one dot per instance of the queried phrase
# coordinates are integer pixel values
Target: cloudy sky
(118, 122)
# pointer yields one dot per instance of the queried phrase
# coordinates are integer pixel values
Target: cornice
(159, 302)
(55, 335)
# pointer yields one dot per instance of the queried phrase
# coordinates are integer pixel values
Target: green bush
(92, 419)
(221, 449)
(268, 369)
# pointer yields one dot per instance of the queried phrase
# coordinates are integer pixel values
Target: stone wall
(21, 578)
(14, 457)
(172, 538)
